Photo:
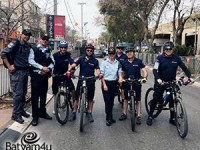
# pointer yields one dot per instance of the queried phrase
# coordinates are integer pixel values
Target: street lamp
(85, 23)
(81, 18)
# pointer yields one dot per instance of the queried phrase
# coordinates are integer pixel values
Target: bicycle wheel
(148, 100)
(61, 108)
(181, 118)
(82, 111)
(119, 96)
(132, 111)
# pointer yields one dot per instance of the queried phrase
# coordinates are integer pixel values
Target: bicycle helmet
(128, 49)
(89, 46)
(63, 44)
(168, 45)
(120, 46)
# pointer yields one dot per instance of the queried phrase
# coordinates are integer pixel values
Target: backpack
(14, 46)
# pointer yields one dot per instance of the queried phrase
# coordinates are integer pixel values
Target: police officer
(42, 62)
(15, 58)
(165, 69)
(132, 67)
(111, 70)
(62, 61)
(120, 56)
(88, 65)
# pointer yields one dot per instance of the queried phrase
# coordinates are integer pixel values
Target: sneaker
(149, 121)
(108, 123)
(73, 116)
(90, 117)
(123, 117)
(138, 121)
(172, 121)
(53, 112)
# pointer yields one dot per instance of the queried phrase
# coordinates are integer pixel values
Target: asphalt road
(161, 135)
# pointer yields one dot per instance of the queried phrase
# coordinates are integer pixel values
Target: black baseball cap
(27, 32)
(111, 50)
(45, 37)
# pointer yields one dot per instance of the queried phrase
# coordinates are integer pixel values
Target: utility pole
(55, 13)
(81, 18)
(22, 1)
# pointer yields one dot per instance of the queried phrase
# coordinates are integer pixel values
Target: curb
(12, 133)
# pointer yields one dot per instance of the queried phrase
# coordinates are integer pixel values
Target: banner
(56, 27)
(50, 26)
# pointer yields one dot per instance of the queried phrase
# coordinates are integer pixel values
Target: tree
(10, 19)
(181, 14)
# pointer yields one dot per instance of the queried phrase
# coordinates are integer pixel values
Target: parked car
(98, 53)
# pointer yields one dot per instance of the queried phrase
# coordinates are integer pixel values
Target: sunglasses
(168, 49)
(90, 51)
(111, 53)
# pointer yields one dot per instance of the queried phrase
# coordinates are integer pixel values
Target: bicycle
(131, 100)
(63, 100)
(179, 108)
(83, 102)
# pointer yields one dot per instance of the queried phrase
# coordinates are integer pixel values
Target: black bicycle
(83, 101)
(63, 100)
(179, 108)
(131, 100)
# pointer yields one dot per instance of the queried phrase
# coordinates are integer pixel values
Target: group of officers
(22, 60)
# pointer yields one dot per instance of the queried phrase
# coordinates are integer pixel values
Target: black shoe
(108, 123)
(149, 121)
(138, 121)
(46, 116)
(172, 121)
(34, 122)
(18, 119)
(25, 114)
(123, 117)
(113, 121)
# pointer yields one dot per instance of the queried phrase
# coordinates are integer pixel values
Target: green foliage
(182, 50)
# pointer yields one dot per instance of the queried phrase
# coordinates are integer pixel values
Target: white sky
(90, 11)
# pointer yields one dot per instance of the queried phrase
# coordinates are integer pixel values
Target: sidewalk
(5, 114)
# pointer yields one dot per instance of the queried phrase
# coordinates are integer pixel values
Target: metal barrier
(191, 62)
(4, 80)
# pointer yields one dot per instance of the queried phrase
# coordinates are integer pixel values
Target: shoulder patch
(10, 45)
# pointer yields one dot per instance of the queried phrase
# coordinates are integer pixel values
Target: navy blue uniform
(121, 58)
(87, 68)
(61, 66)
(20, 53)
(133, 69)
(165, 68)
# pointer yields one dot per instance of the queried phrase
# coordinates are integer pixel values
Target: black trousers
(39, 87)
(158, 97)
(109, 97)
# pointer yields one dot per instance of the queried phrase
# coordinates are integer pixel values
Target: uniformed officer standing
(165, 69)
(42, 62)
(111, 70)
(15, 57)
(120, 56)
